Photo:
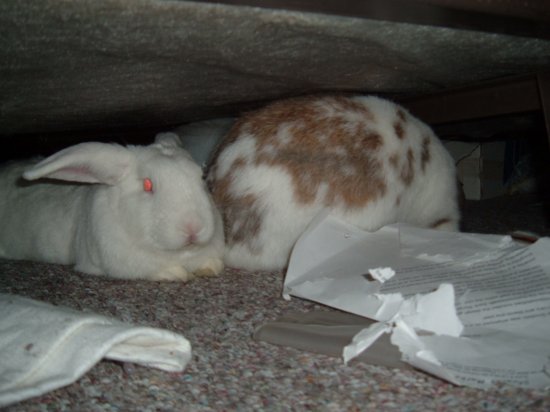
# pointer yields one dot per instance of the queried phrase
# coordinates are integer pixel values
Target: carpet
(231, 371)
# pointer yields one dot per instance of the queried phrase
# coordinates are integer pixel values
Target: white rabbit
(138, 212)
(365, 159)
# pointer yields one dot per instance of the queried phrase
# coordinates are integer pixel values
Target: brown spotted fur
(311, 163)
(325, 166)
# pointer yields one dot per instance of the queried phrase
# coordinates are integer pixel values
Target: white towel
(44, 347)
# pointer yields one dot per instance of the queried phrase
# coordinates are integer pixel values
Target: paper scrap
(364, 339)
(489, 321)
(382, 274)
(415, 313)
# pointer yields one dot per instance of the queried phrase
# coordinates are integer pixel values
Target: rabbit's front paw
(173, 273)
(211, 267)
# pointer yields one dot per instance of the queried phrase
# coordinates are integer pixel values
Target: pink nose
(191, 230)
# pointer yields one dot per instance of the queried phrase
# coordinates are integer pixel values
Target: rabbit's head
(156, 192)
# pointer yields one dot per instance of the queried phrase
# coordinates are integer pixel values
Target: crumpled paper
(470, 308)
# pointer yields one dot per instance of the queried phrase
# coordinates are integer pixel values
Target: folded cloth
(44, 347)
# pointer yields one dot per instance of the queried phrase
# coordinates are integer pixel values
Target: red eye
(147, 185)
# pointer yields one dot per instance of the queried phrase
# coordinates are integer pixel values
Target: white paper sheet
(44, 347)
(472, 309)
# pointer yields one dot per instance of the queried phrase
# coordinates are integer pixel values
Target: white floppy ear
(86, 162)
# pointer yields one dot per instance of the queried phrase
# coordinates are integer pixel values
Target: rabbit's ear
(86, 162)
(168, 142)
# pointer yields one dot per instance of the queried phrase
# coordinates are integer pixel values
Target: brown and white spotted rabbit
(366, 159)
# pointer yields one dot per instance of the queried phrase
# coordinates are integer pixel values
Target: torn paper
(501, 291)
(414, 314)
(382, 274)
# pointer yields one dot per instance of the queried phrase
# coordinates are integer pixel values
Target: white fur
(276, 233)
(430, 196)
(109, 225)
